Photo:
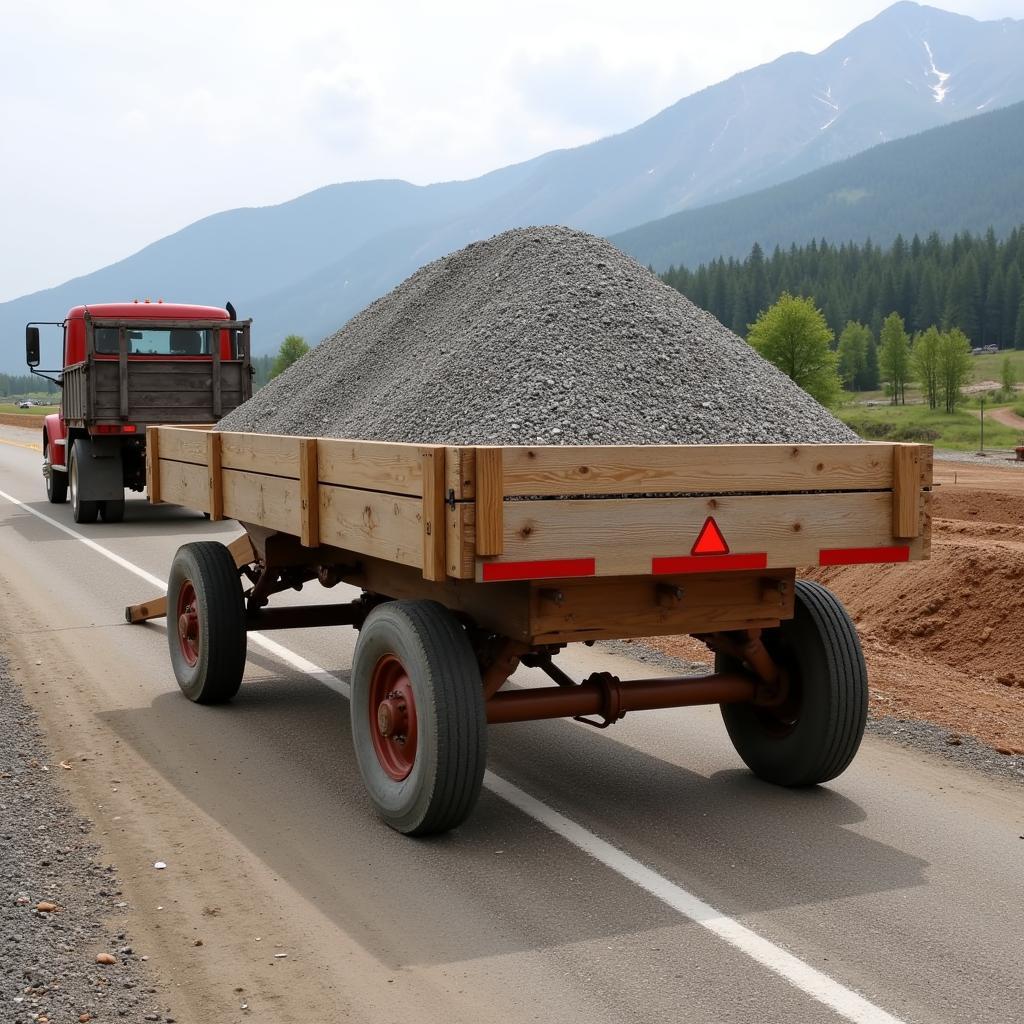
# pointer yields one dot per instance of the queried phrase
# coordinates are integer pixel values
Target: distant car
(25, 405)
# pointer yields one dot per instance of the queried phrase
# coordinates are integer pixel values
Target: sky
(121, 122)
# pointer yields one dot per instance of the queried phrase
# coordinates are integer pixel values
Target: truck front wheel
(206, 622)
(56, 479)
(814, 733)
(81, 510)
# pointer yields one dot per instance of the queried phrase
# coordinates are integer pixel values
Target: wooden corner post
(906, 491)
(434, 523)
(215, 480)
(490, 497)
(309, 492)
(153, 464)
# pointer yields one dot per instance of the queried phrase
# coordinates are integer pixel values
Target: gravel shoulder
(61, 907)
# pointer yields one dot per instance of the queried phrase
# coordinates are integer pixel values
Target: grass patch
(959, 431)
(990, 365)
(36, 410)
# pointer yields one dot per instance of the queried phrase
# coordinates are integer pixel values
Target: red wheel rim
(188, 622)
(393, 717)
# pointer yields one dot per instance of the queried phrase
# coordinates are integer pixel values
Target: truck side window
(106, 340)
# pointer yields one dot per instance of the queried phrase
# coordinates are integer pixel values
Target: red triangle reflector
(710, 540)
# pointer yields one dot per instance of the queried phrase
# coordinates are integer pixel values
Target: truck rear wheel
(813, 735)
(418, 721)
(82, 511)
(206, 622)
(56, 479)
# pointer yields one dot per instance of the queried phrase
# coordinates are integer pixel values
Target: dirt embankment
(942, 638)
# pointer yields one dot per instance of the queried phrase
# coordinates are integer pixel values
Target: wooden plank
(218, 403)
(183, 444)
(701, 469)
(461, 472)
(214, 476)
(623, 534)
(461, 545)
(271, 501)
(489, 492)
(242, 551)
(182, 483)
(386, 526)
(906, 490)
(433, 515)
(122, 372)
(662, 606)
(155, 609)
(309, 490)
(153, 464)
(275, 454)
(373, 465)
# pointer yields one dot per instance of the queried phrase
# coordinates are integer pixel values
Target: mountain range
(307, 265)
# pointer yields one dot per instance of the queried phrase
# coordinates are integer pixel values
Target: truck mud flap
(101, 469)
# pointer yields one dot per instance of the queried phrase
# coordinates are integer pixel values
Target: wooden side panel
(623, 535)
(183, 445)
(261, 453)
(374, 465)
(696, 468)
(461, 473)
(271, 501)
(386, 526)
(433, 515)
(489, 491)
(658, 606)
(906, 490)
(182, 483)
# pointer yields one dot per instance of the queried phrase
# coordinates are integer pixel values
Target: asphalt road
(638, 874)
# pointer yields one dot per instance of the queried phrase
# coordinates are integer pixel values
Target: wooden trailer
(472, 560)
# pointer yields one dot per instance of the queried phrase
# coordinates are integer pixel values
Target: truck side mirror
(32, 346)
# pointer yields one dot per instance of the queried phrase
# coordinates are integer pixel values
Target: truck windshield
(175, 341)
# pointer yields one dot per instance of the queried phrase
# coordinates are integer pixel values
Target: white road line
(801, 975)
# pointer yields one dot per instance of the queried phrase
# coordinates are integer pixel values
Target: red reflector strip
(709, 563)
(862, 556)
(550, 569)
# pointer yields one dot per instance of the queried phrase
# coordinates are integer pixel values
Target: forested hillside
(973, 282)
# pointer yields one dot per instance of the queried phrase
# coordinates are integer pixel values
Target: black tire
(112, 511)
(219, 643)
(56, 481)
(81, 511)
(441, 670)
(813, 736)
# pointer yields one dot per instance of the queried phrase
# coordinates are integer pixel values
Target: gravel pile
(537, 336)
(56, 901)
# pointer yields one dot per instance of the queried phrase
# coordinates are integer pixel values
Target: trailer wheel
(814, 734)
(206, 622)
(81, 511)
(112, 510)
(56, 481)
(418, 722)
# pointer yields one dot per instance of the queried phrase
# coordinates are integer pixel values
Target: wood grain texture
(906, 491)
(271, 501)
(433, 515)
(623, 534)
(489, 503)
(273, 454)
(461, 545)
(183, 483)
(183, 444)
(383, 525)
(374, 465)
(309, 490)
(461, 472)
(695, 468)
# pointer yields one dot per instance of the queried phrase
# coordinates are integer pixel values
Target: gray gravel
(537, 336)
(1000, 459)
(48, 968)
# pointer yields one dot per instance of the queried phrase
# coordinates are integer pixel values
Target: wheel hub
(188, 622)
(393, 717)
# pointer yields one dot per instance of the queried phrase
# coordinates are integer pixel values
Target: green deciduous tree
(954, 367)
(1007, 375)
(894, 357)
(924, 361)
(853, 355)
(292, 348)
(794, 335)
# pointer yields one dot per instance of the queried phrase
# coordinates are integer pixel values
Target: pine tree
(870, 381)
(1011, 303)
(991, 330)
(1018, 336)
